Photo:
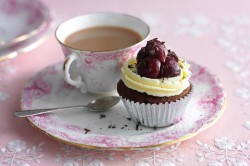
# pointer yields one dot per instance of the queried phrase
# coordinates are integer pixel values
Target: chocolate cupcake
(155, 86)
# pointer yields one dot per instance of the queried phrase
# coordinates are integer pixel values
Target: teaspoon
(100, 104)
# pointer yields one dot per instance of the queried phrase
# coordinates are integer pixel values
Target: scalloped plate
(22, 23)
(113, 129)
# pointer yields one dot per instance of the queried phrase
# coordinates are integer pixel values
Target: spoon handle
(25, 113)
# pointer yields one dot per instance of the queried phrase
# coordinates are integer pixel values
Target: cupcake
(155, 87)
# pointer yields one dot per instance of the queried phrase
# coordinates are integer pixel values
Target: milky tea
(103, 38)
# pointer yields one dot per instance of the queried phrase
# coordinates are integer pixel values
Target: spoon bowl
(96, 105)
(101, 104)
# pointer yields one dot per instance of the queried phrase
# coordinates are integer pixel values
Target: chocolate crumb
(122, 128)
(112, 126)
(129, 119)
(137, 126)
(126, 125)
(101, 128)
(86, 130)
(102, 116)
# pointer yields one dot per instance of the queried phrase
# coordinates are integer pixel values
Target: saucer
(113, 129)
(22, 24)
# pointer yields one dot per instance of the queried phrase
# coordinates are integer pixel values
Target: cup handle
(78, 82)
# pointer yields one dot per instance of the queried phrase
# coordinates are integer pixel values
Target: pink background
(214, 34)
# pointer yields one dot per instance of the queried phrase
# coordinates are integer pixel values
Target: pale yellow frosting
(156, 87)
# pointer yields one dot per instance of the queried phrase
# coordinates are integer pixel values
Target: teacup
(98, 71)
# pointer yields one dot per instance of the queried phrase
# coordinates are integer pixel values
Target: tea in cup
(96, 46)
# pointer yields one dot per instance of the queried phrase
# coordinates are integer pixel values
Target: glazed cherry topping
(153, 49)
(172, 55)
(149, 67)
(141, 55)
(156, 49)
(153, 61)
(170, 68)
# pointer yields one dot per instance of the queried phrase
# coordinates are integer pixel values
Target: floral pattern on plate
(114, 129)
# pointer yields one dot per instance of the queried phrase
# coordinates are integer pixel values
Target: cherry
(158, 53)
(156, 49)
(149, 67)
(153, 61)
(155, 42)
(172, 55)
(170, 68)
(141, 55)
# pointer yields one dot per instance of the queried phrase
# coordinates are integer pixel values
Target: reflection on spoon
(101, 104)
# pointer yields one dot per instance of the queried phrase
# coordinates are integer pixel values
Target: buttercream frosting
(156, 87)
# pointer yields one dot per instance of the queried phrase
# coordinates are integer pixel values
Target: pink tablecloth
(214, 34)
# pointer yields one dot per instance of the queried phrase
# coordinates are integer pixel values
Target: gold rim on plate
(27, 48)
(46, 25)
(37, 30)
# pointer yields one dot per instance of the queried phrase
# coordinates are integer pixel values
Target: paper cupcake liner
(157, 115)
